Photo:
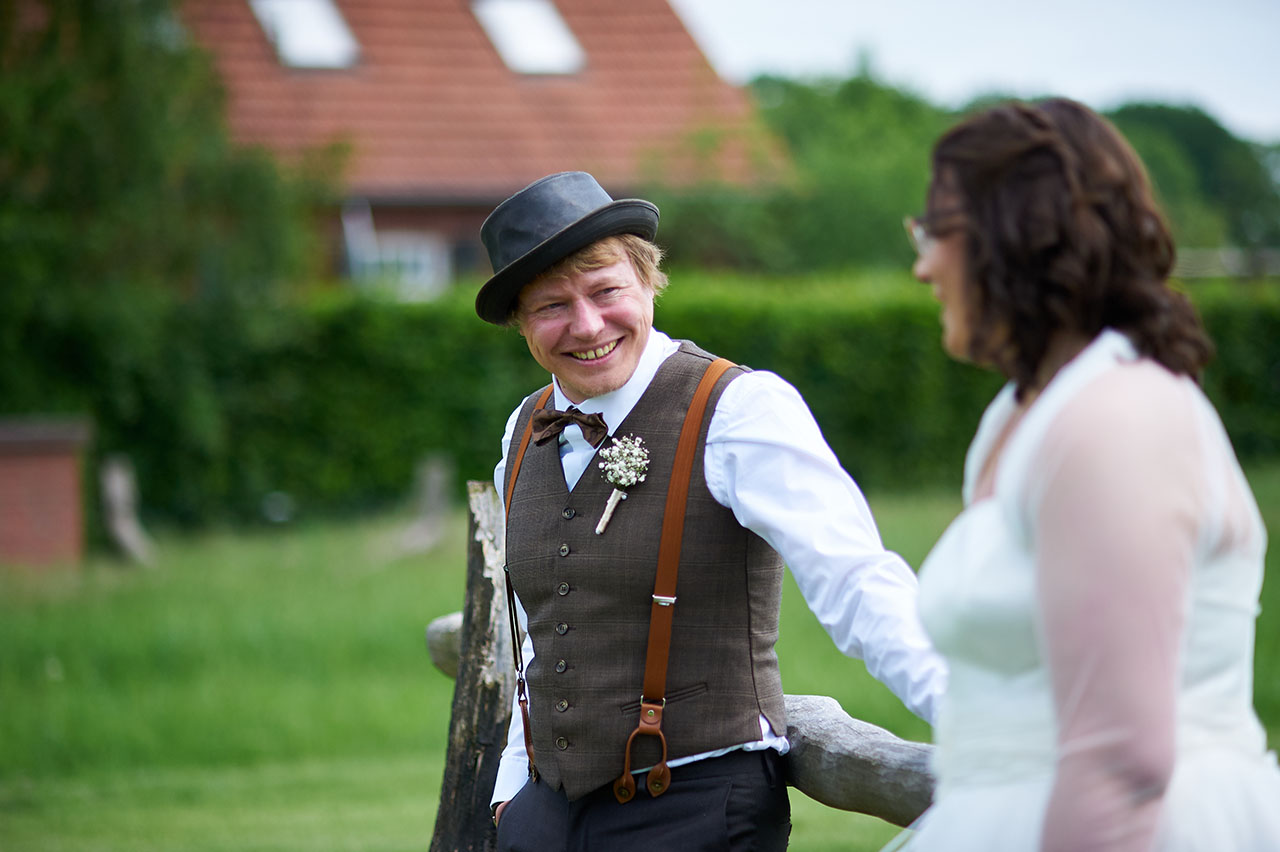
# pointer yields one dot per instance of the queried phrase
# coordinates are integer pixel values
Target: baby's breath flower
(624, 464)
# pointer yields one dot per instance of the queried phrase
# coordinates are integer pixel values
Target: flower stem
(617, 496)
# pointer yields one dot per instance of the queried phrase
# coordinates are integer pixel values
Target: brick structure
(41, 516)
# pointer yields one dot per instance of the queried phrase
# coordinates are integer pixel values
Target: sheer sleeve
(1116, 521)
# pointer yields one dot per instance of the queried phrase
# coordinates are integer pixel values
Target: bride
(1096, 598)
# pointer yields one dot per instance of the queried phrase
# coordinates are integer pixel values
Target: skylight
(530, 36)
(307, 33)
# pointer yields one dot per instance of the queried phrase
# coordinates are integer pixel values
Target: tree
(116, 166)
(134, 234)
(1230, 175)
(858, 155)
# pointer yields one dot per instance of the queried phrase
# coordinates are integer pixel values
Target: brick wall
(41, 518)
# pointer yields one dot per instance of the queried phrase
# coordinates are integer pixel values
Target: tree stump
(485, 686)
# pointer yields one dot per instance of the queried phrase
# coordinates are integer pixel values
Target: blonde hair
(645, 258)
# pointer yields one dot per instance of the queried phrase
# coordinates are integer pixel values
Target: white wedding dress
(1021, 578)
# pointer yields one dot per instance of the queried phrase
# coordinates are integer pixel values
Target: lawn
(272, 690)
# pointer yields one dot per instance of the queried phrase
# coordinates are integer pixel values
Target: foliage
(1230, 176)
(149, 260)
(117, 169)
(134, 235)
(335, 404)
(859, 155)
(859, 151)
(119, 190)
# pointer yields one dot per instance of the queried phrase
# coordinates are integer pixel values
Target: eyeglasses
(924, 237)
(918, 236)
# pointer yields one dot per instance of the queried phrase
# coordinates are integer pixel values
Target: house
(449, 106)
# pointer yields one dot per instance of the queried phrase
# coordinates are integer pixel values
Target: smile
(593, 354)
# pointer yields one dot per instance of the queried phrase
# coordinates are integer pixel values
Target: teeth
(592, 354)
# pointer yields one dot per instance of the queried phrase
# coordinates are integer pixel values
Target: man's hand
(497, 813)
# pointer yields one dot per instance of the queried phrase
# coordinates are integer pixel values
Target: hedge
(335, 403)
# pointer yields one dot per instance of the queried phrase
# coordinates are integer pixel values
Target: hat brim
(496, 299)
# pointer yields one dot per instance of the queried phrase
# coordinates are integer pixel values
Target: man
(752, 485)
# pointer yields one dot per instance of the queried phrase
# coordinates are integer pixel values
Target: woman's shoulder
(1133, 418)
(1137, 418)
(1132, 398)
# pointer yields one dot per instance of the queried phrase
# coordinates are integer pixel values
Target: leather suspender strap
(517, 655)
(662, 612)
(524, 445)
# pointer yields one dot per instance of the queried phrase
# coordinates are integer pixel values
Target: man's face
(589, 328)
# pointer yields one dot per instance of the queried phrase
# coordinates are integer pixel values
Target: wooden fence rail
(840, 761)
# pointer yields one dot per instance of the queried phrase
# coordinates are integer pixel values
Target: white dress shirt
(766, 460)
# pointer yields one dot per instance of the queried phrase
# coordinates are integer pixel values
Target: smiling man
(654, 714)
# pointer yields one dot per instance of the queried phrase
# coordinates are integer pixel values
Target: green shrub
(1244, 378)
(335, 403)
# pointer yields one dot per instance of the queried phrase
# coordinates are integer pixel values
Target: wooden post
(120, 508)
(843, 762)
(483, 693)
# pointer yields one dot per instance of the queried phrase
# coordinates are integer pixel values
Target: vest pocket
(674, 695)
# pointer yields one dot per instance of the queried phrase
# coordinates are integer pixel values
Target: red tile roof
(434, 115)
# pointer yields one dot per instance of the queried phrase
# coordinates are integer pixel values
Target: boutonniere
(625, 461)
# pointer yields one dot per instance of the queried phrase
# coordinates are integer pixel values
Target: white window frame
(307, 33)
(530, 36)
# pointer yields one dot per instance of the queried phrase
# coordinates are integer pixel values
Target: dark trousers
(733, 803)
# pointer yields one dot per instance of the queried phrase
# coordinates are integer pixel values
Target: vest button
(564, 550)
(562, 628)
(568, 513)
(561, 665)
(563, 589)
(562, 743)
(562, 705)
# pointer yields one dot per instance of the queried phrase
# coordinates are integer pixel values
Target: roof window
(530, 36)
(307, 33)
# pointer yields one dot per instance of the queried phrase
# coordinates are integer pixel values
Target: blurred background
(238, 253)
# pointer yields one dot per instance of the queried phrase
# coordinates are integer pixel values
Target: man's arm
(767, 461)
(513, 768)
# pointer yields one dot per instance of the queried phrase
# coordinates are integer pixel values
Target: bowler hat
(543, 224)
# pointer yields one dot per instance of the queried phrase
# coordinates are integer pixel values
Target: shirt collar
(616, 405)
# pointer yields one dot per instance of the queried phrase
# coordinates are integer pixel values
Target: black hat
(543, 224)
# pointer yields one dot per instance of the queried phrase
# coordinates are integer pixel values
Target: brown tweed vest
(588, 600)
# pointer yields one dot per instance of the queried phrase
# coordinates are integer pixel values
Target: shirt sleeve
(767, 461)
(1115, 522)
(513, 767)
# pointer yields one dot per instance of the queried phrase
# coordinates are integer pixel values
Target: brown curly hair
(1063, 235)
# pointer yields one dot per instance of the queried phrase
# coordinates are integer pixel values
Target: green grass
(263, 691)
(272, 690)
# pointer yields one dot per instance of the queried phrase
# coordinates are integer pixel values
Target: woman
(1096, 597)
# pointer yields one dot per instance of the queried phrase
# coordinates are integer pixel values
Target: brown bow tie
(547, 423)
